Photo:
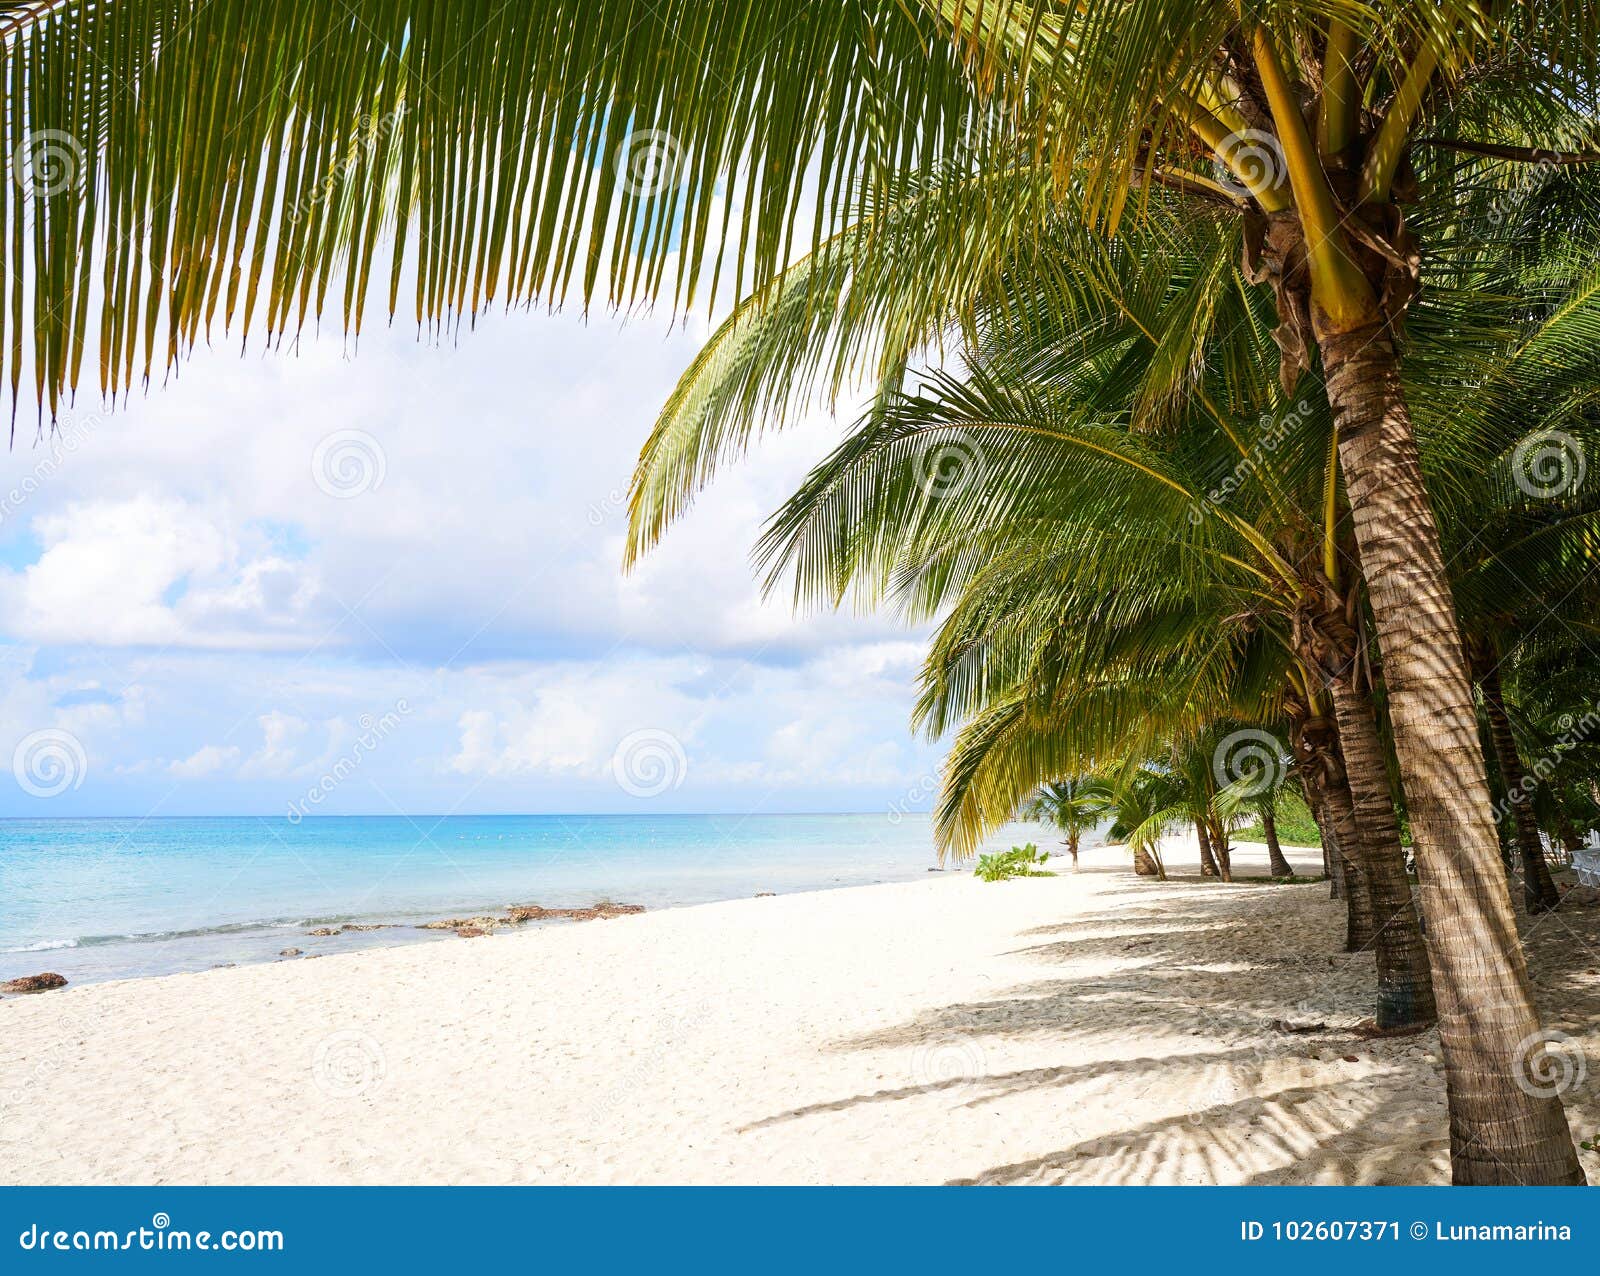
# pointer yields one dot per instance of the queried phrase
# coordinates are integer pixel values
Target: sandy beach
(1085, 1028)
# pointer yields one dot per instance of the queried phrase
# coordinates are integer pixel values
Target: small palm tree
(1074, 805)
(1257, 792)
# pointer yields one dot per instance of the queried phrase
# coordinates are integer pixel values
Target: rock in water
(458, 924)
(290, 952)
(520, 913)
(35, 983)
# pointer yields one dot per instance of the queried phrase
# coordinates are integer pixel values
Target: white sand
(1088, 1028)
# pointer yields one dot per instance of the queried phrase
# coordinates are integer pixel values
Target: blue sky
(214, 599)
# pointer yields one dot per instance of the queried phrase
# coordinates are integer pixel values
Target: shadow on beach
(1201, 1044)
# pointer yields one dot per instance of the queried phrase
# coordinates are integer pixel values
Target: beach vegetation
(1019, 861)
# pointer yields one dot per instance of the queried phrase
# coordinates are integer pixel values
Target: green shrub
(1295, 825)
(1019, 861)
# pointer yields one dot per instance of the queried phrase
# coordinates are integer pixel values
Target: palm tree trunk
(1208, 866)
(1571, 839)
(1072, 848)
(1405, 987)
(1222, 852)
(1332, 861)
(1538, 887)
(1144, 864)
(1359, 922)
(1321, 766)
(1278, 866)
(1499, 1131)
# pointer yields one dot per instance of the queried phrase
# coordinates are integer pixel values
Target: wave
(396, 920)
(197, 932)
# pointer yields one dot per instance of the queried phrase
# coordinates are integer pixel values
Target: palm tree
(840, 507)
(1332, 615)
(1539, 889)
(1160, 794)
(1257, 792)
(1074, 805)
(1090, 534)
(1138, 794)
(241, 152)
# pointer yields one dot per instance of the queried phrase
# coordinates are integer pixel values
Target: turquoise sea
(96, 899)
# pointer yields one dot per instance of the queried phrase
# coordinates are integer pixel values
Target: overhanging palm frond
(883, 289)
(186, 164)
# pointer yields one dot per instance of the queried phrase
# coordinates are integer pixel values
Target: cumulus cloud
(204, 761)
(187, 562)
(280, 734)
(152, 571)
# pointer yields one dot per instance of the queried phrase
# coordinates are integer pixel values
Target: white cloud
(278, 752)
(569, 721)
(204, 761)
(151, 571)
(184, 561)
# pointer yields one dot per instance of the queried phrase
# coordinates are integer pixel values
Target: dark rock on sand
(43, 982)
(605, 908)
(516, 914)
(766, 894)
(484, 924)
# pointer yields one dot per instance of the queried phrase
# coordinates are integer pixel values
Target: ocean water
(96, 899)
